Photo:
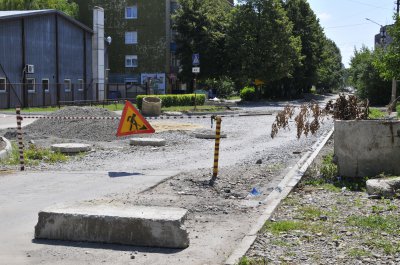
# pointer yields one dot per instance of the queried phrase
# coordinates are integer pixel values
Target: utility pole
(394, 81)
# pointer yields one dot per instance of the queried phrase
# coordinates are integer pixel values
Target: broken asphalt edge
(274, 199)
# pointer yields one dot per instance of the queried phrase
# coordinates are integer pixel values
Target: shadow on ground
(114, 247)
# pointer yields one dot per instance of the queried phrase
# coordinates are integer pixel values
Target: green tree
(68, 7)
(261, 43)
(201, 27)
(330, 72)
(366, 79)
(307, 27)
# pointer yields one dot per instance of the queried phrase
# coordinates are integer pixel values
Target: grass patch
(387, 246)
(376, 223)
(24, 110)
(328, 178)
(34, 155)
(358, 253)
(375, 113)
(249, 261)
(285, 226)
(311, 213)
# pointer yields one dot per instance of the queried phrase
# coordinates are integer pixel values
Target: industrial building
(45, 59)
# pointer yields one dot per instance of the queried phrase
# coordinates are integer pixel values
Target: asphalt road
(9, 121)
(23, 195)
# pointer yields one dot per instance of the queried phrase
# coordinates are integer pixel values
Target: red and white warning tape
(24, 116)
(69, 118)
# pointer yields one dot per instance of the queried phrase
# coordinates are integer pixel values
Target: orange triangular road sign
(132, 122)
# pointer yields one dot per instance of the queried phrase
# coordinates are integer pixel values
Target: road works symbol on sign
(132, 122)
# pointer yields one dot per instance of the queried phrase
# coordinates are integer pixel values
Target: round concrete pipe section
(70, 148)
(147, 142)
(209, 134)
(5, 148)
(151, 106)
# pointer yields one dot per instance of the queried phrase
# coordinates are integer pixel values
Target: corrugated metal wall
(40, 50)
(40, 35)
(11, 60)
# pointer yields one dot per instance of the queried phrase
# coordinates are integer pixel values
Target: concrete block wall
(366, 148)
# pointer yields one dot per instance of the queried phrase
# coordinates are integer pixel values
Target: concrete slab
(70, 148)
(367, 147)
(130, 225)
(147, 142)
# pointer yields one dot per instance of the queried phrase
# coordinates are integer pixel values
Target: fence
(46, 95)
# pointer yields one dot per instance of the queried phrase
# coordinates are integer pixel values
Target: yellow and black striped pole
(20, 140)
(216, 149)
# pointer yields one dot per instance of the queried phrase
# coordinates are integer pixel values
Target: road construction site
(117, 175)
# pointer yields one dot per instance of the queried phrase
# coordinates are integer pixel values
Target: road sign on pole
(196, 70)
(195, 59)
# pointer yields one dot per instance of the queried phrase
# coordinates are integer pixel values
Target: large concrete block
(367, 147)
(129, 225)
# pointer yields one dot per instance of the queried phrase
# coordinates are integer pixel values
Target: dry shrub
(311, 115)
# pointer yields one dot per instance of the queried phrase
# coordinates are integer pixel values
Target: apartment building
(142, 50)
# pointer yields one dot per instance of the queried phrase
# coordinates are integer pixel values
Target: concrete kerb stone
(71, 148)
(128, 225)
(274, 199)
(5, 153)
(147, 142)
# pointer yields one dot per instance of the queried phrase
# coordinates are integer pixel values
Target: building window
(131, 61)
(131, 37)
(67, 85)
(30, 85)
(45, 85)
(81, 85)
(2, 84)
(131, 12)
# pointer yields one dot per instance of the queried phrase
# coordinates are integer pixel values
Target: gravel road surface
(219, 216)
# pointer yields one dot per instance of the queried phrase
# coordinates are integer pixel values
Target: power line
(361, 3)
(346, 26)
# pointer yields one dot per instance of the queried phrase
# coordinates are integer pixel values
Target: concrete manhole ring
(70, 148)
(208, 134)
(147, 142)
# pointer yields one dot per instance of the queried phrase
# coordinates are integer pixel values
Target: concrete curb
(7, 151)
(276, 196)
